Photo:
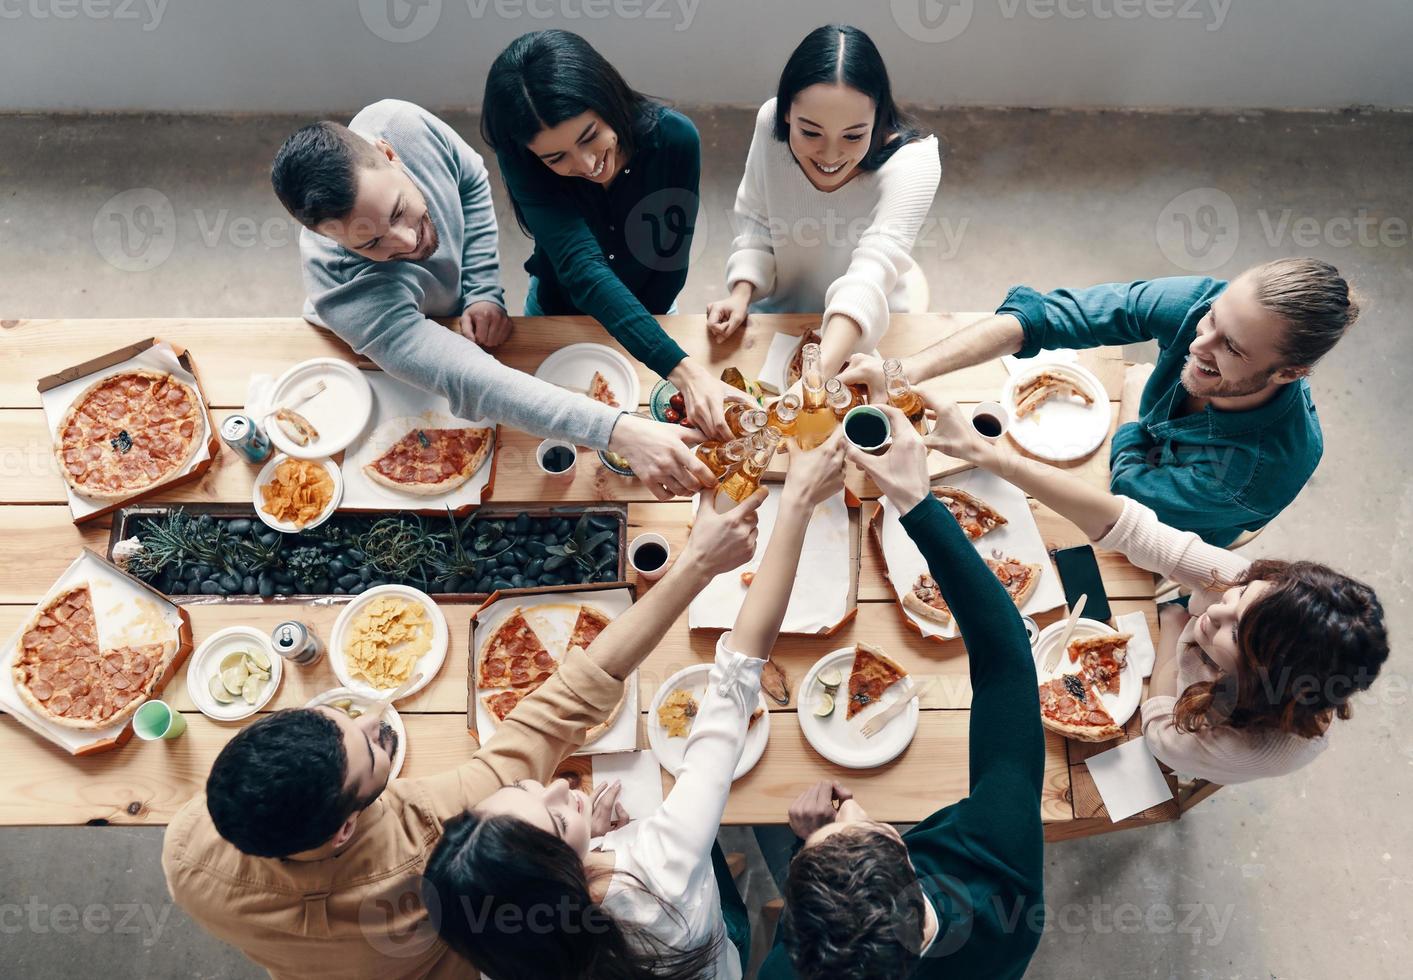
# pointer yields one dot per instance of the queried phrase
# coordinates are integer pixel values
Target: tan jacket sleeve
(545, 728)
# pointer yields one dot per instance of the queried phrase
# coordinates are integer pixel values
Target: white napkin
(257, 395)
(1062, 356)
(777, 359)
(1128, 779)
(640, 775)
(1140, 648)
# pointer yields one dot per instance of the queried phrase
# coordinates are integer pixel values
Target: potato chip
(387, 638)
(298, 492)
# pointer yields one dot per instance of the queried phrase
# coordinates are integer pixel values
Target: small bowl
(613, 467)
(267, 473)
(659, 400)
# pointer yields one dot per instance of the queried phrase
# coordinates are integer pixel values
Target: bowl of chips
(297, 494)
(385, 636)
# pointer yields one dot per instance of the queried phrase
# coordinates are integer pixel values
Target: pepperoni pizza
(426, 462)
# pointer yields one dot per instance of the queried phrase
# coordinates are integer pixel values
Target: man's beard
(430, 241)
(1202, 386)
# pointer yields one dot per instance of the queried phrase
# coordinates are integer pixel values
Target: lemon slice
(251, 690)
(234, 678)
(218, 690)
(830, 679)
(258, 661)
(231, 660)
(824, 707)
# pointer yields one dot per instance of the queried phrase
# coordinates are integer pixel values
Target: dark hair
(545, 77)
(514, 901)
(840, 54)
(1307, 645)
(277, 788)
(1314, 300)
(315, 173)
(853, 908)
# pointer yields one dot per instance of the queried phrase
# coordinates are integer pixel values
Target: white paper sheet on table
(820, 597)
(397, 407)
(1018, 538)
(641, 778)
(1128, 779)
(1062, 355)
(1140, 649)
(159, 357)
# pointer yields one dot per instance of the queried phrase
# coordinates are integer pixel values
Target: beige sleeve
(1179, 555)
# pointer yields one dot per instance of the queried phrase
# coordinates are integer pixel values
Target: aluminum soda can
(242, 434)
(296, 643)
(1032, 629)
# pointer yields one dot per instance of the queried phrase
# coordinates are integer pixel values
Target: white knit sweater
(846, 251)
(1219, 754)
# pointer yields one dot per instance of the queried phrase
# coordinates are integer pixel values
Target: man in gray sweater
(398, 229)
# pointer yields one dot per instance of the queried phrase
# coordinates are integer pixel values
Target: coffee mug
(646, 569)
(157, 720)
(866, 427)
(553, 445)
(990, 420)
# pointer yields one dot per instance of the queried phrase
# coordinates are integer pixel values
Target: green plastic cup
(156, 720)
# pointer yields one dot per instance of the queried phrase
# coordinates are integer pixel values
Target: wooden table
(147, 782)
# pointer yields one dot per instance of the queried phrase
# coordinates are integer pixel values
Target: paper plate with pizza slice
(675, 706)
(518, 643)
(424, 460)
(599, 372)
(1094, 689)
(838, 696)
(1058, 411)
(354, 704)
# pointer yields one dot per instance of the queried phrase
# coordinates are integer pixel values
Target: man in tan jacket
(304, 855)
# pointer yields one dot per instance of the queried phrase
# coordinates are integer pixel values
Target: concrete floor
(1303, 877)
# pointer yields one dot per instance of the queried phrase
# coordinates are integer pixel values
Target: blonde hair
(1314, 300)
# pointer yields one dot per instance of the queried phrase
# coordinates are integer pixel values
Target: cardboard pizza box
(58, 391)
(117, 585)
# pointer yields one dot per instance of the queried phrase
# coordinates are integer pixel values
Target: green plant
(307, 564)
(581, 545)
(399, 547)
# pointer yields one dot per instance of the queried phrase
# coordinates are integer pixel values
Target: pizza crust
(987, 518)
(915, 604)
(424, 489)
(1082, 733)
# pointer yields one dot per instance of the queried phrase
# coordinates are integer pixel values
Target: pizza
(975, 516)
(872, 674)
(129, 432)
(587, 627)
(64, 675)
(796, 366)
(514, 656)
(599, 391)
(925, 600)
(1070, 705)
(676, 712)
(425, 462)
(502, 703)
(1019, 578)
(1044, 386)
(1101, 659)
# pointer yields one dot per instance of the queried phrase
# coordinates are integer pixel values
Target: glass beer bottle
(840, 397)
(741, 482)
(720, 457)
(816, 421)
(743, 419)
(783, 414)
(901, 395)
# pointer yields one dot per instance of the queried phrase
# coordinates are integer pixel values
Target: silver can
(1032, 629)
(296, 643)
(242, 434)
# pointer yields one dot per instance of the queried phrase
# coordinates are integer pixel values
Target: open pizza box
(1018, 538)
(551, 612)
(58, 391)
(826, 591)
(127, 611)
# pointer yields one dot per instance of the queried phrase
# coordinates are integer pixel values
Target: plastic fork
(880, 721)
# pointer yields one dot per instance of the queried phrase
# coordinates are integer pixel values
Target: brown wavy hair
(1307, 645)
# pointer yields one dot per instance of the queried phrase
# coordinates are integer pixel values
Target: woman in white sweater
(838, 183)
(1268, 653)
(647, 903)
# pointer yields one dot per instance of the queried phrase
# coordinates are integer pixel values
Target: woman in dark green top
(604, 180)
(960, 895)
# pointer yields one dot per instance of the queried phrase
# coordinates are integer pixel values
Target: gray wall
(328, 55)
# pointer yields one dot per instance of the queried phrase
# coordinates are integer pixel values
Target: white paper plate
(338, 414)
(1062, 429)
(573, 367)
(429, 663)
(205, 664)
(390, 716)
(1122, 705)
(389, 432)
(267, 473)
(842, 742)
(669, 751)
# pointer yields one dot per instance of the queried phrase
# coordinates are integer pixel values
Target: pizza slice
(514, 656)
(427, 462)
(872, 674)
(1102, 659)
(299, 429)
(797, 360)
(975, 516)
(1019, 578)
(1071, 706)
(599, 391)
(925, 600)
(587, 627)
(502, 703)
(1044, 386)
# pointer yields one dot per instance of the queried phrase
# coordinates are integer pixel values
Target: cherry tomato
(672, 415)
(678, 402)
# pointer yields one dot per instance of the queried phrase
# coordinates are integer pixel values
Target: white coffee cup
(650, 537)
(996, 412)
(551, 444)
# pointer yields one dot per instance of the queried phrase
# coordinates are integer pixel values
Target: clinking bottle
(901, 395)
(741, 482)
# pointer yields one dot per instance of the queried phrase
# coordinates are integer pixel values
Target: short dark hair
(838, 54)
(277, 788)
(315, 173)
(1315, 302)
(853, 908)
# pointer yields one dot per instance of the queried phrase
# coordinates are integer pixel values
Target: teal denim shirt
(1214, 473)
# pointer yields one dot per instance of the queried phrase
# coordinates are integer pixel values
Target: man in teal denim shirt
(1224, 433)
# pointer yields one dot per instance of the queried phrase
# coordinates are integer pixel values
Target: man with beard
(1221, 433)
(399, 229)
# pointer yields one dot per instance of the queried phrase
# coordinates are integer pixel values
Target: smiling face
(556, 809)
(389, 221)
(1216, 629)
(369, 744)
(581, 146)
(1235, 352)
(830, 130)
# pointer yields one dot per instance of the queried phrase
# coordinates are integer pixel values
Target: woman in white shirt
(1267, 654)
(838, 183)
(521, 894)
